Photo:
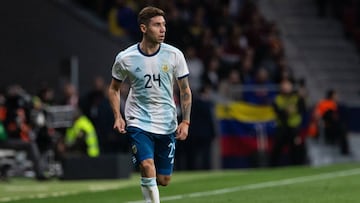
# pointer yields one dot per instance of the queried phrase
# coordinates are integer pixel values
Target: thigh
(165, 153)
(142, 145)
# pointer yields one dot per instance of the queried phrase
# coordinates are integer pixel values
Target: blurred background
(275, 83)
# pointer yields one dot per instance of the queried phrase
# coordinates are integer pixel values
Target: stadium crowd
(233, 53)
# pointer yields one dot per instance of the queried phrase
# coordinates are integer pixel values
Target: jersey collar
(157, 51)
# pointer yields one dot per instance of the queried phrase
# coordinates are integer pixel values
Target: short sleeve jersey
(150, 104)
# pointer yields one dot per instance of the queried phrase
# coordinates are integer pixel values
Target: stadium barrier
(103, 167)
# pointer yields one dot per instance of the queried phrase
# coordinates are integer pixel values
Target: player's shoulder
(170, 48)
(131, 50)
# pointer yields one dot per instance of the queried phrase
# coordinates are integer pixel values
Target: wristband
(186, 122)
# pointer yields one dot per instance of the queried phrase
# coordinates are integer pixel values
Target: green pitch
(329, 184)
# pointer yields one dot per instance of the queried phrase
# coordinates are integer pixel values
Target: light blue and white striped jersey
(150, 104)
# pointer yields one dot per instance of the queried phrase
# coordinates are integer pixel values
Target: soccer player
(152, 67)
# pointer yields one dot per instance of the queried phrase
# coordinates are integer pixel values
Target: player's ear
(143, 28)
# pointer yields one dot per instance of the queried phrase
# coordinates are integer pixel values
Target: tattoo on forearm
(184, 85)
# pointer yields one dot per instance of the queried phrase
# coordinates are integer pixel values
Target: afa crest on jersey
(165, 68)
(134, 149)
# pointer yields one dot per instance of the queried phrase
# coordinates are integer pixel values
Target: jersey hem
(117, 79)
(184, 76)
(155, 132)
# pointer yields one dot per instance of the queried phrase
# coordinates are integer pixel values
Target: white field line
(269, 184)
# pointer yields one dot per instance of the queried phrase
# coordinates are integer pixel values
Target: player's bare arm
(114, 98)
(185, 100)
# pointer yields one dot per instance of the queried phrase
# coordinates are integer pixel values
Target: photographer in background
(17, 125)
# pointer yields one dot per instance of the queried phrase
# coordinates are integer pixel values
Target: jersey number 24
(148, 78)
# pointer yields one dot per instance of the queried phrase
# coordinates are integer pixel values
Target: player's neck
(149, 48)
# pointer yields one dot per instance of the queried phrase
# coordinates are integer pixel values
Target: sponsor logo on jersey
(138, 69)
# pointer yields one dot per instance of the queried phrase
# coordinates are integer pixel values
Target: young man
(150, 112)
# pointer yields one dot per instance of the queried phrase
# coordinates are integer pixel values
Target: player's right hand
(119, 125)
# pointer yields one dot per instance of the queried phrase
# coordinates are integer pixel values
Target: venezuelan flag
(241, 124)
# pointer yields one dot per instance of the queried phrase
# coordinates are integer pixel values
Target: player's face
(155, 31)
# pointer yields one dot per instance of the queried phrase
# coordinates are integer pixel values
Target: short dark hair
(147, 13)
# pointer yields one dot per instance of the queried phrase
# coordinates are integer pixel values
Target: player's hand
(182, 131)
(119, 125)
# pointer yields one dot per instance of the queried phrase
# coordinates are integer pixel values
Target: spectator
(274, 51)
(71, 96)
(46, 95)
(259, 90)
(256, 34)
(211, 75)
(246, 68)
(302, 89)
(208, 47)
(235, 48)
(43, 135)
(289, 108)
(18, 105)
(327, 111)
(90, 102)
(196, 68)
(229, 88)
(80, 139)
(282, 71)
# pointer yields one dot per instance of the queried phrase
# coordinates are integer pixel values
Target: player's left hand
(119, 125)
(182, 131)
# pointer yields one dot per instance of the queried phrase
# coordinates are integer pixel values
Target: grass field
(329, 184)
